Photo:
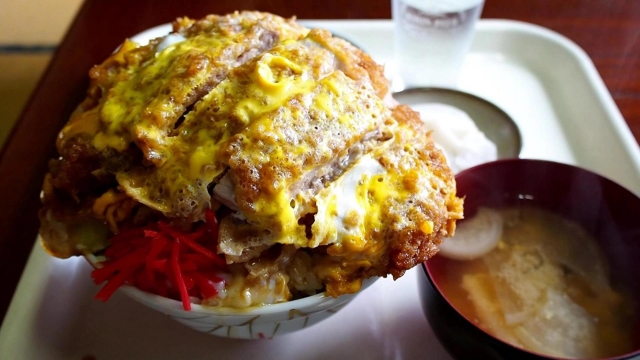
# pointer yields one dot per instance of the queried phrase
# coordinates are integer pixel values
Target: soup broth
(545, 287)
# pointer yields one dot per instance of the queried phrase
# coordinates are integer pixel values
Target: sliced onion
(474, 237)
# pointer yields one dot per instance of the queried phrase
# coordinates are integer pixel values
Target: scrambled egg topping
(285, 126)
(255, 122)
(246, 118)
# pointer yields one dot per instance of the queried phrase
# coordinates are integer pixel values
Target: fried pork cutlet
(280, 129)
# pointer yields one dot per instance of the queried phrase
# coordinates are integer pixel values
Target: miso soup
(545, 287)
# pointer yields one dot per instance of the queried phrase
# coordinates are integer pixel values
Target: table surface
(609, 31)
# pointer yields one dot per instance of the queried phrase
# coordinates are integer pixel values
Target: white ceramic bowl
(264, 322)
(253, 323)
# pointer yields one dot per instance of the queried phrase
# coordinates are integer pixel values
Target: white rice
(455, 133)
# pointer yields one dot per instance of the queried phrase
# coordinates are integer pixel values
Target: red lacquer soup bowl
(603, 208)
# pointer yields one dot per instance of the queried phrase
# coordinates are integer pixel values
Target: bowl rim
(543, 161)
(268, 309)
(438, 289)
(175, 305)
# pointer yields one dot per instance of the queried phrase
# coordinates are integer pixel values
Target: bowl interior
(603, 208)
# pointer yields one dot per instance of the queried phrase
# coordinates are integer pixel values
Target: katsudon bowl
(263, 322)
(606, 210)
(243, 164)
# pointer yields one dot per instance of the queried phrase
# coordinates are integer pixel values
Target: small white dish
(496, 124)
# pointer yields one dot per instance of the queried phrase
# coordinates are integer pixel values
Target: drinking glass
(432, 38)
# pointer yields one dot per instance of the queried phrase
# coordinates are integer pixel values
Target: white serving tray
(543, 80)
